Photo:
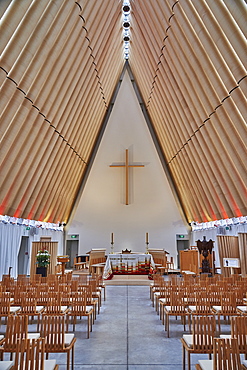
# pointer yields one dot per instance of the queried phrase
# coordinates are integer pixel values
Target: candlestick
(112, 244)
(147, 242)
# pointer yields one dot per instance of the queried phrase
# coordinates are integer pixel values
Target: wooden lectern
(63, 260)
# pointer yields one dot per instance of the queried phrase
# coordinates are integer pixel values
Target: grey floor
(127, 335)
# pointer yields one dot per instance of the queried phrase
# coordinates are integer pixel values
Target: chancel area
(123, 198)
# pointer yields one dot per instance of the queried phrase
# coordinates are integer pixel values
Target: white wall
(151, 208)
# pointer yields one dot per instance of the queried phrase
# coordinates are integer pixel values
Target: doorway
(181, 246)
(23, 256)
(71, 251)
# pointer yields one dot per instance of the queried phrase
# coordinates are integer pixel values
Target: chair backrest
(30, 354)
(228, 302)
(177, 305)
(4, 304)
(78, 303)
(226, 354)
(28, 303)
(53, 330)
(159, 256)
(203, 331)
(96, 256)
(53, 305)
(239, 331)
(17, 327)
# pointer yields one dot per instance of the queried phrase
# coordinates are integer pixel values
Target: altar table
(139, 264)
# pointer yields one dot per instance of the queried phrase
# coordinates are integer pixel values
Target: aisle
(127, 335)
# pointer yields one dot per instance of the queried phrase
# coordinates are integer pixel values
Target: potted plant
(42, 261)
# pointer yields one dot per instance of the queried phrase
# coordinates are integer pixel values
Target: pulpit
(63, 260)
(205, 248)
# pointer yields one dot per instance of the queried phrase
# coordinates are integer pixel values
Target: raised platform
(128, 280)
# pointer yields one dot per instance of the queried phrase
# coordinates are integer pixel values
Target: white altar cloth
(128, 264)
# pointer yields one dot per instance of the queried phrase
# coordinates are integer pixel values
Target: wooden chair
(78, 264)
(201, 339)
(56, 340)
(16, 328)
(170, 264)
(96, 256)
(201, 306)
(5, 306)
(87, 288)
(79, 308)
(227, 306)
(30, 356)
(95, 292)
(155, 285)
(225, 356)
(54, 305)
(160, 260)
(175, 308)
(239, 331)
(30, 308)
(101, 285)
(164, 300)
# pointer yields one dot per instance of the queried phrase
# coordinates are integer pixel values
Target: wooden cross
(126, 165)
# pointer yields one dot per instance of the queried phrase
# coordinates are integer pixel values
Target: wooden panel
(189, 261)
(52, 249)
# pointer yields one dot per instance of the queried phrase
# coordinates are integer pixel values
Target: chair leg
(67, 323)
(167, 325)
(88, 326)
(73, 357)
(184, 322)
(219, 323)
(91, 322)
(183, 358)
(68, 358)
(189, 367)
(165, 320)
(189, 322)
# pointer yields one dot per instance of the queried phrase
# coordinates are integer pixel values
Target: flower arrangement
(43, 258)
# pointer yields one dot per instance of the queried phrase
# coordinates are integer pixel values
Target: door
(71, 251)
(23, 256)
(181, 245)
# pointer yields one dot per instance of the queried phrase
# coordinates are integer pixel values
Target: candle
(112, 238)
(146, 237)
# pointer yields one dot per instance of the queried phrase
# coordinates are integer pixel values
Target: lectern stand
(63, 260)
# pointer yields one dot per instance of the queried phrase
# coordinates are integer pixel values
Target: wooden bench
(78, 264)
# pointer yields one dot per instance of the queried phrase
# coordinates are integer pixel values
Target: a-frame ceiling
(61, 61)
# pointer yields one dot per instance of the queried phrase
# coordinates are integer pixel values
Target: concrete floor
(127, 335)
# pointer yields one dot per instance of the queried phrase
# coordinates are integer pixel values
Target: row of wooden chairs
(203, 302)
(180, 300)
(30, 355)
(204, 333)
(80, 298)
(56, 340)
